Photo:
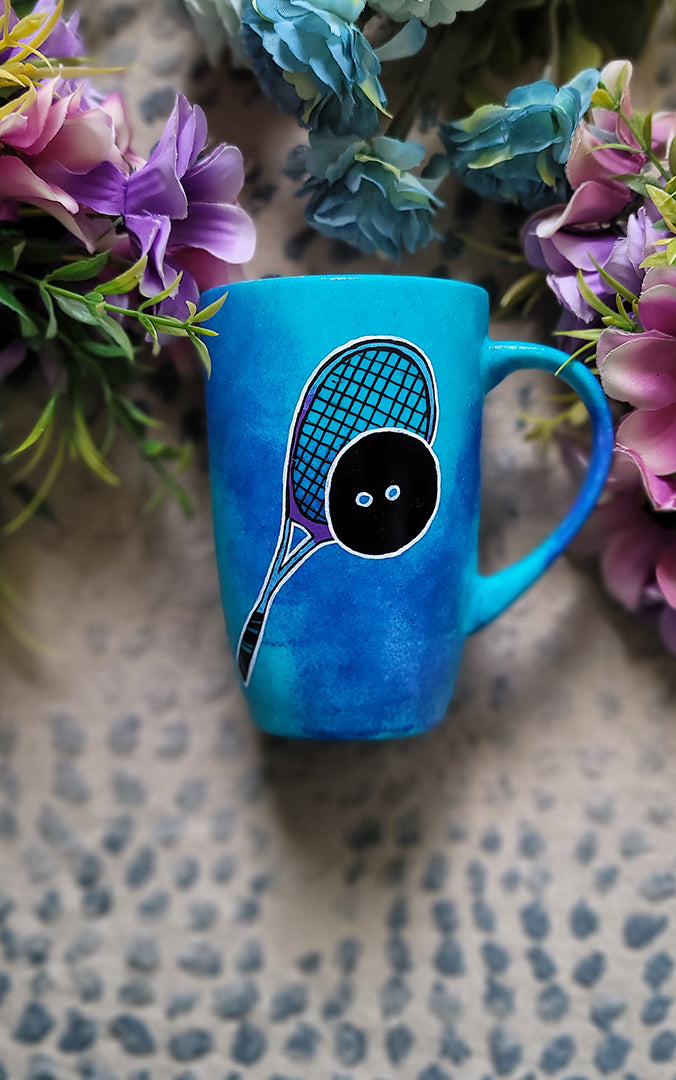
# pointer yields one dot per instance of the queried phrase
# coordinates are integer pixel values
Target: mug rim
(381, 279)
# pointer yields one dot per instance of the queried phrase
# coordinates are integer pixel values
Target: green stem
(646, 149)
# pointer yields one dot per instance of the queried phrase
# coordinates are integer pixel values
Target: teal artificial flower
(312, 60)
(517, 152)
(364, 193)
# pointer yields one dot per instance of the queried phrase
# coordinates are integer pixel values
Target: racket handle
(248, 642)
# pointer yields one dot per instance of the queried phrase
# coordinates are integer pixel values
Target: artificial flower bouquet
(103, 256)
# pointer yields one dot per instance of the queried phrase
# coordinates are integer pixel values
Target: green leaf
(44, 420)
(41, 494)
(648, 131)
(591, 297)
(10, 252)
(84, 443)
(634, 182)
(104, 348)
(618, 287)
(162, 295)
(81, 270)
(52, 326)
(77, 309)
(126, 281)
(601, 99)
(138, 415)
(666, 204)
(210, 310)
(109, 326)
(202, 352)
(9, 300)
(672, 157)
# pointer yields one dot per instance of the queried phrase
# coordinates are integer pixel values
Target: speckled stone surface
(184, 899)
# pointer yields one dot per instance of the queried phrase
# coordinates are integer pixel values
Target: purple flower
(181, 211)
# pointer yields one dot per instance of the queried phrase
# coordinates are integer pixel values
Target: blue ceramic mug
(344, 428)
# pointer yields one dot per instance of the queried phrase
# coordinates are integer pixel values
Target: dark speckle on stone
(234, 1001)
(34, 1023)
(434, 1072)
(128, 789)
(656, 1008)
(587, 847)
(658, 886)
(531, 843)
(498, 999)
(663, 1046)
(445, 916)
(143, 953)
(296, 246)
(223, 869)
(88, 870)
(348, 952)
(69, 783)
(41, 983)
(454, 1048)
(202, 914)
(140, 867)
(117, 834)
(97, 901)
(5, 985)
(123, 735)
(436, 872)
(409, 829)
(133, 1034)
(583, 920)
(191, 1044)
(491, 841)
(86, 943)
(50, 906)
(552, 1003)
(89, 984)
(606, 877)
(9, 825)
(505, 1050)
(398, 915)
(191, 794)
(136, 992)
(249, 958)
(168, 829)
(67, 735)
(476, 877)
(249, 1044)
(399, 1042)
(483, 916)
(247, 910)
(310, 962)
(611, 1054)
(36, 948)
(80, 1033)
(157, 104)
(601, 810)
(302, 1043)
(117, 16)
(633, 843)
(640, 929)
(542, 964)
(606, 1009)
(201, 958)
(511, 879)
(180, 1003)
(175, 739)
(558, 1054)
(658, 969)
(367, 833)
(350, 1044)
(339, 1001)
(535, 920)
(186, 872)
(288, 1001)
(449, 958)
(223, 824)
(398, 954)
(40, 1067)
(589, 969)
(154, 904)
(394, 997)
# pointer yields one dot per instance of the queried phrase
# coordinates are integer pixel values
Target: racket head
(369, 383)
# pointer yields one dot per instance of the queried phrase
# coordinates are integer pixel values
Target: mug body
(344, 418)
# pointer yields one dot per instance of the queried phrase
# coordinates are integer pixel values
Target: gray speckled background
(183, 898)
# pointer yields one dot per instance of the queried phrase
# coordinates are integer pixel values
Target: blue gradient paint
(360, 647)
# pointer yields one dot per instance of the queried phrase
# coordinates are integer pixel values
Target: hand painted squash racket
(367, 384)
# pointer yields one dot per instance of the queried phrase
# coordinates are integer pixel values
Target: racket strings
(368, 388)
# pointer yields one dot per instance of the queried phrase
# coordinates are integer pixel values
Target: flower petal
(216, 178)
(666, 574)
(668, 629)
(628, 562)
(224, 230)
(651, 434)
(638, 368)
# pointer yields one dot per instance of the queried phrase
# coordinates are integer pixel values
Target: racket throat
(298, 538)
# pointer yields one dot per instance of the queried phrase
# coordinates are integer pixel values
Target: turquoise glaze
(346, 626)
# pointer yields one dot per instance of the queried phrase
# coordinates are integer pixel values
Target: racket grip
(248, 642)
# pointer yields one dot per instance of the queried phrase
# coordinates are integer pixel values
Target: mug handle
(493, 593)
